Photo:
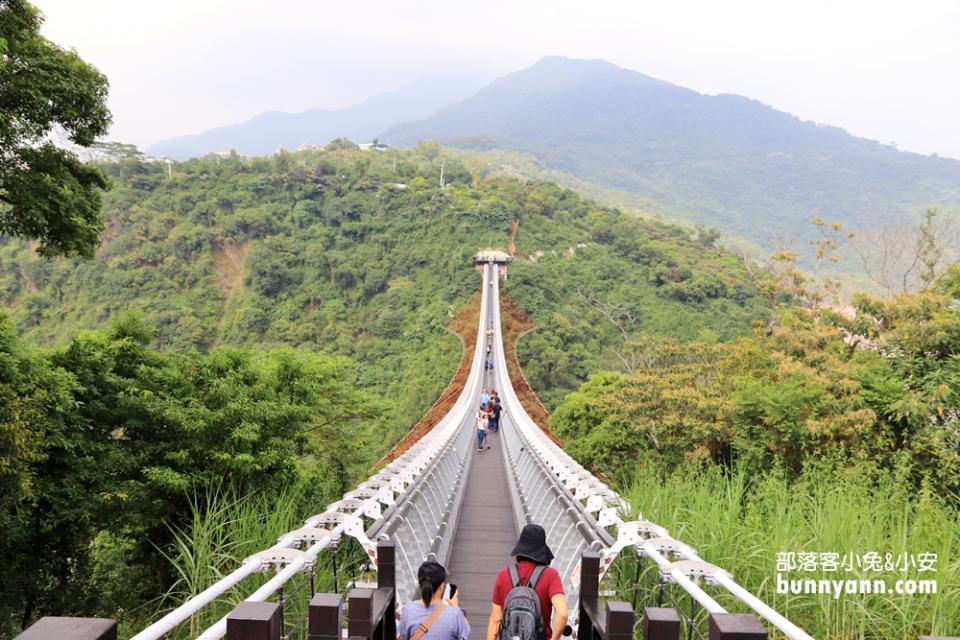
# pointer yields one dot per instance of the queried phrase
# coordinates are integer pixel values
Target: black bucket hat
(533, 545)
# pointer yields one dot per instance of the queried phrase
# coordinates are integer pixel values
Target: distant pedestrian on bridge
(430, 618)
(511, 609)
(494, 409)
(483, 423)
(484, 399)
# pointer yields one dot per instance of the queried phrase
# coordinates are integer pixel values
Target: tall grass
(224, 530)
(741, 524)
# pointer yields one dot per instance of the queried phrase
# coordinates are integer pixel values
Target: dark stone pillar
(325, 617)
(661, 623)
(620, 620)
(360, 622)
(255, 621)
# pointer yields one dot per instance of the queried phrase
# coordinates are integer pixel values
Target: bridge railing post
(661, 623)
(59, 628)
(613, 622)
(589, 592)
(255, 621)
(325, 617)
(387, 583)
(360, 622)
(736, 626)
(620, 621)
(371, 613)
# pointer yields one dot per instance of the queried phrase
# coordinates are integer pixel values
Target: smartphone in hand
(449, 592)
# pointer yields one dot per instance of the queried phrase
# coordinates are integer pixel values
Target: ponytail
(431, 575)
(426, 591)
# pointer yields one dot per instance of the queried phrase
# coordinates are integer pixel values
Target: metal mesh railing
(422, 525)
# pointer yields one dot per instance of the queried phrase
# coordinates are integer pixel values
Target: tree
(103, 443)
(46, 192)
(122, 158)
(32, 398)
(896, 258)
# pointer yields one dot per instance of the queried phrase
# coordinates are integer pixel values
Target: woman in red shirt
(530, 551)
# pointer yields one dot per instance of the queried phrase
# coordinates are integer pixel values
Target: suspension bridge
(444, 500)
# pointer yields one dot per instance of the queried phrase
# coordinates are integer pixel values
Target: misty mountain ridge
(724, 160)
(264, 133)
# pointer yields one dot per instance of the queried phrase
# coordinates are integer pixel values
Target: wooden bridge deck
(485, 535)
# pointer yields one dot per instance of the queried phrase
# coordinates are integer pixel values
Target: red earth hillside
(514, 324)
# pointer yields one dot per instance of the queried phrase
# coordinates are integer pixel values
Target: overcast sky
(886, 70)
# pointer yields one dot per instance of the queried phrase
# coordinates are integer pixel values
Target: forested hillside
(364, 254)
(196, 356)
(725, 160)
(112, 449)
(253, 324)
(821, 432)
(259, 322)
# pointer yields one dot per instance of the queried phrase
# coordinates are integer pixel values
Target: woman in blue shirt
(430, 618)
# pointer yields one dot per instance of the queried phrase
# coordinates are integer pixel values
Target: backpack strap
(537, 572)
(514, 575)
(426, 624)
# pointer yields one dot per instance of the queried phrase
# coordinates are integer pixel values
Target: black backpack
(522, 619)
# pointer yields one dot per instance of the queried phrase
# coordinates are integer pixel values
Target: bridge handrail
(572, 484)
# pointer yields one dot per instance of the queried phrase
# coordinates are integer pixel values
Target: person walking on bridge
(483, 423)
(531, 570)
(430, 618)
(494, 409)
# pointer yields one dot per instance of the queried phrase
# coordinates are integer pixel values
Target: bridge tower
(497, 257)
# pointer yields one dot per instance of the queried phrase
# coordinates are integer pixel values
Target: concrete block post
(255, 621)
(360, 622)
(736, 626)
(387, 578)
(620, 621)
(661, 623)
(59, 628)
(325, 617)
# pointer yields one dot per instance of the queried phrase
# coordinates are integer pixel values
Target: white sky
(882, 69)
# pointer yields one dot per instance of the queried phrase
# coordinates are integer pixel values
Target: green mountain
(362, 253)
(262, 134)
(725, 160)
